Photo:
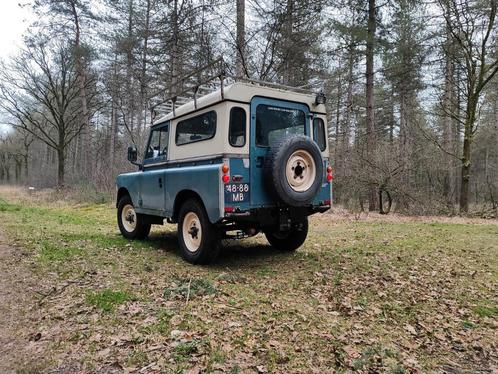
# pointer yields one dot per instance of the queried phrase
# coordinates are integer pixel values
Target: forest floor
(373, 294)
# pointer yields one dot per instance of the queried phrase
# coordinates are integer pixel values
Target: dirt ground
(16, 310)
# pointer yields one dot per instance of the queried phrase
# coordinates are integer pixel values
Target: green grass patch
(57, 252)
(486, 310)
(107, 299)
(7, 207)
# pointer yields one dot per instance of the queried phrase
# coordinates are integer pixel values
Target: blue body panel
(149, 197)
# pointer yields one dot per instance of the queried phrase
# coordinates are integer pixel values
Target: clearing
(370, 295)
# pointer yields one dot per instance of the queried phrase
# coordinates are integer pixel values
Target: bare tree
(471, 24)
(40, 92)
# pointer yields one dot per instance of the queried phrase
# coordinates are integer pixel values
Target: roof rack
(170, 97)
(188, 88)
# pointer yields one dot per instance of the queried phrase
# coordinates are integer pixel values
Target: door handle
(259, 161)
(160, 183)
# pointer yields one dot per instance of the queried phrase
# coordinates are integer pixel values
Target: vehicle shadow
(233, 253)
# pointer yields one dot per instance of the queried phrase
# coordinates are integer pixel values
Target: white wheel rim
(300, 171)
(129, 218)
(192, 231)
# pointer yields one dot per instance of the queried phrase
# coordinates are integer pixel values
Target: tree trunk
(287, 73)
(346, 126)
(370, 119)
(449, 125)
(26, 169)
(468, 138)
(174, 52)
(129, 74)
(112, 140)
(496, 127)
(143, 75)
(465, 178)
(80, 70)
(241, 39)
(338, 152)
(60, 168)
(114, 122)
(392, 121)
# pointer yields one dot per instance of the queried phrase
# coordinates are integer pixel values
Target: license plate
(236, 192)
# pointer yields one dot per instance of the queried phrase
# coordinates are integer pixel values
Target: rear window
(273, 123)
(196, 129)
(319, 133)
(237, 131)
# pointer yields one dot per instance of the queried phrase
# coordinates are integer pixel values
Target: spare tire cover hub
(300, 170)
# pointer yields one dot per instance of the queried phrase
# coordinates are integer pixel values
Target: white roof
(241, 91)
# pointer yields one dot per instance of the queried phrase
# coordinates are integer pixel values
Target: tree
(67, 16)
(40, 91)
(403, 60)
(370, 117)
(241, 69)
(471, 24)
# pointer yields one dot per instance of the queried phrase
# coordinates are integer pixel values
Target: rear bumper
(267, 216)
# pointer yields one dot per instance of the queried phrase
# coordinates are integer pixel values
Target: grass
(107, 300)
(379, 295)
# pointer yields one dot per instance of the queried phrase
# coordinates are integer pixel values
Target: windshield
(273, 123)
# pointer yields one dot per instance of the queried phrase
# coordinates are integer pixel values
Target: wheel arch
(180, 198)
(122, 191)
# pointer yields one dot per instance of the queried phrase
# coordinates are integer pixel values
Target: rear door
(270, 120)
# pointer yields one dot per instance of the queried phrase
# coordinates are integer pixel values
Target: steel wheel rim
(129, 218)
(192, 232)
(300, 171)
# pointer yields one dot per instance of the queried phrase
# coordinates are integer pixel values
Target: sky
(13, 22)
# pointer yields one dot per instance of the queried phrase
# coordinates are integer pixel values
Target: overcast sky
(13, 22)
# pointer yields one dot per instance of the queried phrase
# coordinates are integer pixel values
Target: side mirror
(132, 154)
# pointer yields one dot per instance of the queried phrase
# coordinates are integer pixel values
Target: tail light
(225, 169)
(329, 173)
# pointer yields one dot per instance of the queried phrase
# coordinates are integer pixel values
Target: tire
(198, 238)
(289, 240)
(131, 224)
(294, 170)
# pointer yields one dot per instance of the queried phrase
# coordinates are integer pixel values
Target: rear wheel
(198, 238)
(289, 240)
(131, 224)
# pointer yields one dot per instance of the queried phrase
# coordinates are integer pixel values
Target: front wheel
(198, 238)
(131, 224)
(288, 240)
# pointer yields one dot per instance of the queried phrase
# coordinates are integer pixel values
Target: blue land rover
(231, 164)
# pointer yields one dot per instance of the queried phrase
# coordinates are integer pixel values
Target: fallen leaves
(361, 296)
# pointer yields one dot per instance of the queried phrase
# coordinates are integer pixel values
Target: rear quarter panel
(204, 180)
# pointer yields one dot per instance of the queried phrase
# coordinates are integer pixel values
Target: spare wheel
(294, 170)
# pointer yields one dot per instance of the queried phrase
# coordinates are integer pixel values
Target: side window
(237, 130)
(319, 133)
(195, 129)
(158, 143)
